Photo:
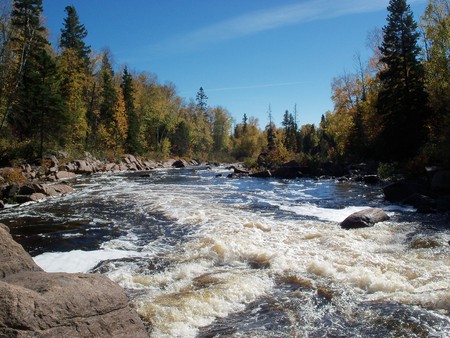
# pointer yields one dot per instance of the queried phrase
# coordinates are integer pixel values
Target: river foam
(240, 244)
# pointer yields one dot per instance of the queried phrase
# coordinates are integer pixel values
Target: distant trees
(393, 107)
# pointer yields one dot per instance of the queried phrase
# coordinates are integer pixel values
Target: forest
(394, 108)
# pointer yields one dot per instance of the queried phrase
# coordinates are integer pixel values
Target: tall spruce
(402, 100)
(73, 64)
(39, 104)
(27, 39)
(73, 34)
(133, 144)
(202, 99)
(108, 92)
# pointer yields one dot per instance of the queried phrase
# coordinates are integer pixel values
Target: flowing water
(207, 256)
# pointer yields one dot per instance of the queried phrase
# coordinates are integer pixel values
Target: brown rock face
(34, 303)
(13, 258)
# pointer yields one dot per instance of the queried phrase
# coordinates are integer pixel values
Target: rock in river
(364, 218)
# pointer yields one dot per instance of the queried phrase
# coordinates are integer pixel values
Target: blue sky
(246, 54)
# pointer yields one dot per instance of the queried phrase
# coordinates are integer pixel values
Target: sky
(247, 55)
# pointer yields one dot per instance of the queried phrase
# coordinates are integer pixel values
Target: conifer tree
(73, 64)
(402, 99)
(108, 95)
(39, 103)
(133, 144)
(201, 99)
(73, 34)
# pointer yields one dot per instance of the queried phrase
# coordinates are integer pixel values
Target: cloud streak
(269, 19)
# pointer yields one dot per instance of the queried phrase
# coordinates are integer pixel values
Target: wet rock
(2, 204)
(399, 192)
(64, 175)
(440, 182)
(26, 190)
(287, 172)
(238, 171)
(262, 174)
(82, 167)
(179, 164)
(34, 303)
(371, 179)
(34, 197)
(364, 218)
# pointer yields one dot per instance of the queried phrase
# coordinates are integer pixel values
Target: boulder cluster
(34, 303)
(52, 176)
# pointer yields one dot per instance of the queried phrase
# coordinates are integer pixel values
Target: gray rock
(364, 218)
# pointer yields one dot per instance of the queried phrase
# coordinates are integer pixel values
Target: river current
(207, 256)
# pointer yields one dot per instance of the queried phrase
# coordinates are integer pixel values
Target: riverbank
(52, 177)
(428, 193)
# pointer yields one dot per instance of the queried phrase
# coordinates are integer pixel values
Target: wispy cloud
(268, 19)
(257, 86)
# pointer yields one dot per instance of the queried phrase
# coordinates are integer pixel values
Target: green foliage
(388, 171)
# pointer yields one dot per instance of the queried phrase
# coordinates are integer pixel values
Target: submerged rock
(34, 303)
(364, 218)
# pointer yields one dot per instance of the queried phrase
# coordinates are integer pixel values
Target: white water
(235, 253)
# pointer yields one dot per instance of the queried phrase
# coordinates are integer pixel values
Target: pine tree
(108, 95)
(202, 99)
(133, 144)
(38, 104)
(73, 35)
(271, 132)
(402, 99)
(73, 64)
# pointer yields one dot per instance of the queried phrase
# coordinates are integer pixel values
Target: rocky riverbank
(34, 303)
(52, 176)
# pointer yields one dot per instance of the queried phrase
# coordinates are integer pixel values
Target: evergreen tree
(290, 131)
(26, 43)
(73, 64)
(133, 144)
(73, 35)
(181, 139)
(244, 123)
(402, 99)
(271, 132)
(108, 95)
(202, 99)
(436, 25)
(39, 103)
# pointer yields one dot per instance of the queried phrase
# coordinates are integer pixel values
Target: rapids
(207, 256)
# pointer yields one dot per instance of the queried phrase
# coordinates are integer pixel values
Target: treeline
(393, 108)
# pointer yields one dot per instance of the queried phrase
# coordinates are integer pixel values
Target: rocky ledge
(34, 303)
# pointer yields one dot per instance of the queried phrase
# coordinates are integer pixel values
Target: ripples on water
(208, 256)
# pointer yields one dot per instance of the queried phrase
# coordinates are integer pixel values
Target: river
(207, 256)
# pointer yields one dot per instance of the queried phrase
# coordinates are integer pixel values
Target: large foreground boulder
(364, 218)
(34, 303)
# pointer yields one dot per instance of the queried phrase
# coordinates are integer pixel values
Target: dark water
(215, 257)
